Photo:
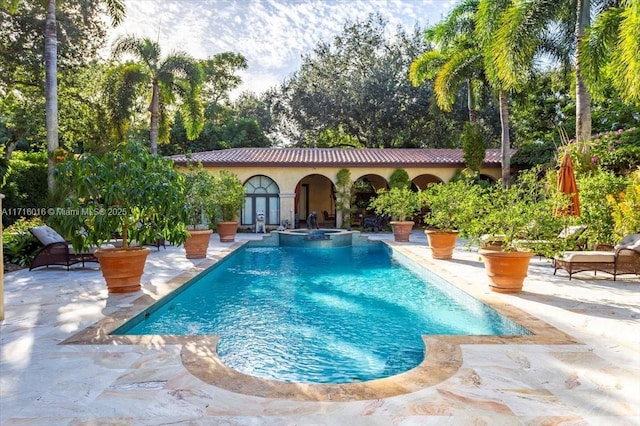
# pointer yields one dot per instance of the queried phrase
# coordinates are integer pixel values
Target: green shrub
(399, 179)
(595, 211)
(618, 152)
(451, 206)
(18, 245)
(399, 203)
(473, 146)
(344, 196)
(532, 154)
(524, 210)
(200, 205)
(626, 208)
(24, 185)
(228, 195)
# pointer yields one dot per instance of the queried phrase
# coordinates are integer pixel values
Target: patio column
(287, 208)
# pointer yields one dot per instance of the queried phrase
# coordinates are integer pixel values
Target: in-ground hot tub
(317, 238)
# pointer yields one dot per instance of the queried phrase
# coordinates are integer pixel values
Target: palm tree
(531, 28)
(177, 74)
(51, 90)
(115, 9)
(485, 32)
(457, 59)
(610, 51)
(465, 37)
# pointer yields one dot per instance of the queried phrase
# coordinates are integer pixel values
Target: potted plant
(450, 207)
(400, 204)
(127, 192)
(522, 210)
(228, 197)
(199, 210)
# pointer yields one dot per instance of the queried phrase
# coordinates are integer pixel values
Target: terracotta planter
(441, 243)
(227, 231)
(122, 268)
(402, 230)
(506, 270)
(197, 244)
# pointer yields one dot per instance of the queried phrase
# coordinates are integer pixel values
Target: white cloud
(272, 34)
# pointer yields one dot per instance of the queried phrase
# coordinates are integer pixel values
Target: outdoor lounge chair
(56, 251)
(623, 259)
(568, 237)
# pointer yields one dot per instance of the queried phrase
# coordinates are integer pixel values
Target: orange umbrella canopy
(567, 185)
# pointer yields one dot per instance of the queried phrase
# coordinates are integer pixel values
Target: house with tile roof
(287, 184)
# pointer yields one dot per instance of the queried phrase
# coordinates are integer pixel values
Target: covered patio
(287, 184)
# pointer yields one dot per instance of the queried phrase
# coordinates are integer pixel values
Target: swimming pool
(337, 315)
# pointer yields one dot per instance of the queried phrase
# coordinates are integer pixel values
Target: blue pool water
(319, 315)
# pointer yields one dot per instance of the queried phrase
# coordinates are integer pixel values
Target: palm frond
(184, 67)
(487, 22)
(123, 87)
(460, 20)
(426, 67)
(487, 19)
(596, 48)
(192, 112)
(144, 49)
(626, 56)
(164, 125)
(462, 66)
(517, 40)
(116, 11)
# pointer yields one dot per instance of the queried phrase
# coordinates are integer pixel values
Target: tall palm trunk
(583, 98)
(154, 109)
(471, 104)
(505, 140)
(51, 90)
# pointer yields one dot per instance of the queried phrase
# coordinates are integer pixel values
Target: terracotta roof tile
(295, 157)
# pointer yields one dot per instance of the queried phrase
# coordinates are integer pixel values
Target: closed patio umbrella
(567, 185)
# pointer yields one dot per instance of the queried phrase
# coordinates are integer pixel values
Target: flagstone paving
(583, 368)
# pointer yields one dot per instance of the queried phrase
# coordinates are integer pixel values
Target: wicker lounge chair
(622, 259)
(56, 251)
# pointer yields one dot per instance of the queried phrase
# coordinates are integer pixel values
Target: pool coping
(443, 354)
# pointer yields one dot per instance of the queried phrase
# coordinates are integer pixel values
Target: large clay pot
(506, 270)
(402, 230)
(227, 231)
(442, 243)
(122, 269)
(197, 243)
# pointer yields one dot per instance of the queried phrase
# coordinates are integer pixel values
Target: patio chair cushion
(630, 242)
(572, 232)
(586, 257)
(46, 235)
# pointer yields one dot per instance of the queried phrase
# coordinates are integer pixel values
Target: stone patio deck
(586, 372)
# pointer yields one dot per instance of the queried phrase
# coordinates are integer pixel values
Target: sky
(272, 35)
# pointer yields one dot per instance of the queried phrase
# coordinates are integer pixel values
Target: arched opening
(315, 193)
(422, 181)
(365, 188)
(262, 196)
(486, 178)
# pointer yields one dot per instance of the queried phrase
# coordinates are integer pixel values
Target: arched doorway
(365, 188)
(262, 195)
(315, 193)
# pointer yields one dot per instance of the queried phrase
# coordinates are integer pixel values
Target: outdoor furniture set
(622, 259)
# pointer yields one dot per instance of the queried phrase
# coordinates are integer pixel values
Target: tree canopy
(358, 84)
